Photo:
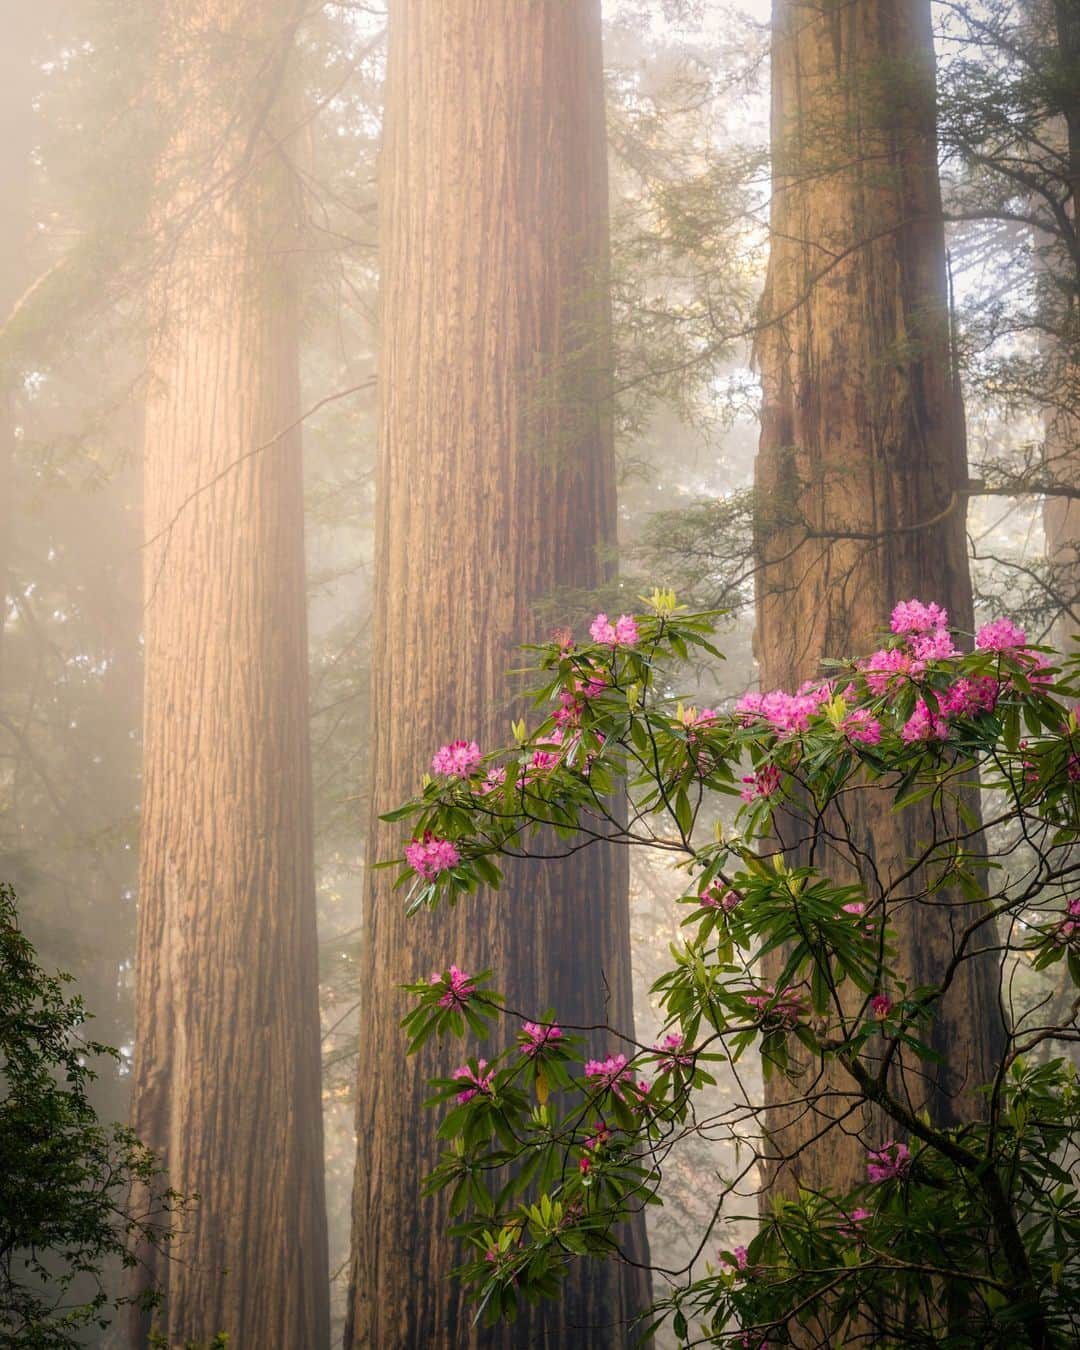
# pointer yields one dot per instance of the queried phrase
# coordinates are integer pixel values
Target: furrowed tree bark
(861, 462)
(227, 1066)
(496, 488)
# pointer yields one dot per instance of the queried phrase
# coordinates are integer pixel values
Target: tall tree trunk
(227, 1074)
(22, 31)
(1061, 448)
(496, 487)
(862, 455)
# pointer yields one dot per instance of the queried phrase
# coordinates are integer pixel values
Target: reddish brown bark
(227, 1072)
(1061, 450)
(862, 453)
(496, 488)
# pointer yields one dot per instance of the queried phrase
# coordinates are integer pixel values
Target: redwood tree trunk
(1061, 450)
(227, 1076)
(862, 454)
(496, 488)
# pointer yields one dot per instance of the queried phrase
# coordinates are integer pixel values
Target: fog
(197, 371)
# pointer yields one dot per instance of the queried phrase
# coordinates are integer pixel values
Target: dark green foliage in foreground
(65, 1178)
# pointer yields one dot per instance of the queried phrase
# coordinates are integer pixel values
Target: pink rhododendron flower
(478, 1081)
(568, 713)
(742, 1260)
(889, 1161)
(861, 727)
(622, 633)
(584, 1164)
(546, 758)
(595, 682)
(456, 760)
(970, 695)
(670, 1048)
(694, 720)
(609, 1073)
(912, 616)
(855, 907)
(788, 713)
(717, 896)
(1037, 673)
(923, 725)
(787, 1009)
(763, 783)
(749, 706)
(1000, 635)
(881, 1005)
(494, 778)
(887, 666)
(535, 1036)
(858, 1218)
(457, 995)
(936, 645)
(430, 856)
(600, 1138)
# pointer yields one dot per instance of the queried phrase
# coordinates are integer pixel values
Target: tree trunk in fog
(21, 28)
(862, 451)
(1061, 450)
(227, 1071)
(496, 486)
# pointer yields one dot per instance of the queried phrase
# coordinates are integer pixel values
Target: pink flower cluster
(614, 1073)
(1000, 635)
(600, 1138)
(458, 988)
(861, 727)
(609, 1073)
(534, 1036)
(669, 1048)
(717, 896)
(1070, 927)
(456, 760)
(970, 695)
(763, 783)
(858, 1218)
(430, 856)
(572, 701)
(888, 666)
(479, 1081)
(928, 639)
(924, 725)
(494, 778)
(622, 633)
(881, 1005)
(544, 760)
(742, 1260)
(912, 616)
(695, 722)
(787, 713)
(786, 1009)
(888, 1162)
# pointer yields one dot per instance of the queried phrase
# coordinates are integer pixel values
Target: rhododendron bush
(956, 1236)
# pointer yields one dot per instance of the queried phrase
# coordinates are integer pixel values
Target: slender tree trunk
(227, 1074)
(861, 458)
(21, 31)
(496, 488)
(1061, 449)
